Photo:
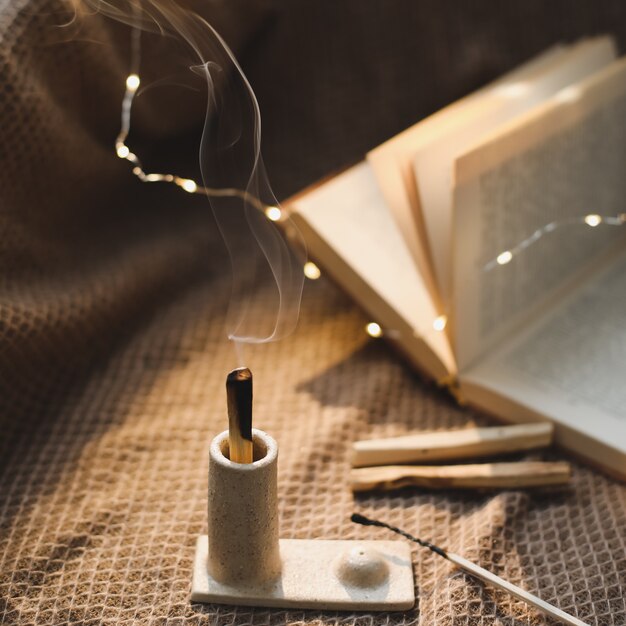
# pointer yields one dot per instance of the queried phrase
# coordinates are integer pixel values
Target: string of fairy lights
(591, 220)
(272, 212)
(277, 214)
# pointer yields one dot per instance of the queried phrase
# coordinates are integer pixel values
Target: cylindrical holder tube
(243, 513)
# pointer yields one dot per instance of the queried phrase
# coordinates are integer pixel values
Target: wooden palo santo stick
(239, 399)
(452, 444)
(479, 572)
(484, 475)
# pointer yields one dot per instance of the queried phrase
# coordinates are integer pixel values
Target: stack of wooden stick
(415, 460)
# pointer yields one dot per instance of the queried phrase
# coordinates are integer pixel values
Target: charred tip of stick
(357, 518)
(239, 375)
(239, 396)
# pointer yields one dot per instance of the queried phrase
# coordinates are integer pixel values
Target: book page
(434, 160)
(351, 234)
(570, 365)
(392, 161)
(561, 162)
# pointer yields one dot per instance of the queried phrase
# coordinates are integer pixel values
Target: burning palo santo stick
(479, 572)
(239, 398)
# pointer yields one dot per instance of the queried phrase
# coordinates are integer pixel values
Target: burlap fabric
(113, 353)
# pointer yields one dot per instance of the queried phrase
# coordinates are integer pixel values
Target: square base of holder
(320, 574)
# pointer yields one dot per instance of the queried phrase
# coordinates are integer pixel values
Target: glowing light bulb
(593, 220)
(122, 151)
(569, 94)
(273, 213)
(440, 322)
(311, 270)
(512, 90)
(374, 330)
(189, 185)
(132, 82)
(504, 257)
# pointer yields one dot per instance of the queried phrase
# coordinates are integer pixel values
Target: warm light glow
(311, 270)
(189, 185)
(132, 82)
(374, 330)
(504, 257)
(593, 220)
(122, 151)
(273, 213)
(512, 90)
(440, 322)
(569, 94)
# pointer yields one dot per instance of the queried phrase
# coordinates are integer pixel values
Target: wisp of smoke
(266, 259)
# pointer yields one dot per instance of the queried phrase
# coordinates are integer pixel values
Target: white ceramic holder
(242, 560)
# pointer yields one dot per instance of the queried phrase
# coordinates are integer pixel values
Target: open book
(486, 241)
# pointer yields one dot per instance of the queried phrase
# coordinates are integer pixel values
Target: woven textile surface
(113, 299)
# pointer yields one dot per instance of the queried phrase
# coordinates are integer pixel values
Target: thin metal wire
(591, 220)
(187, 184)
